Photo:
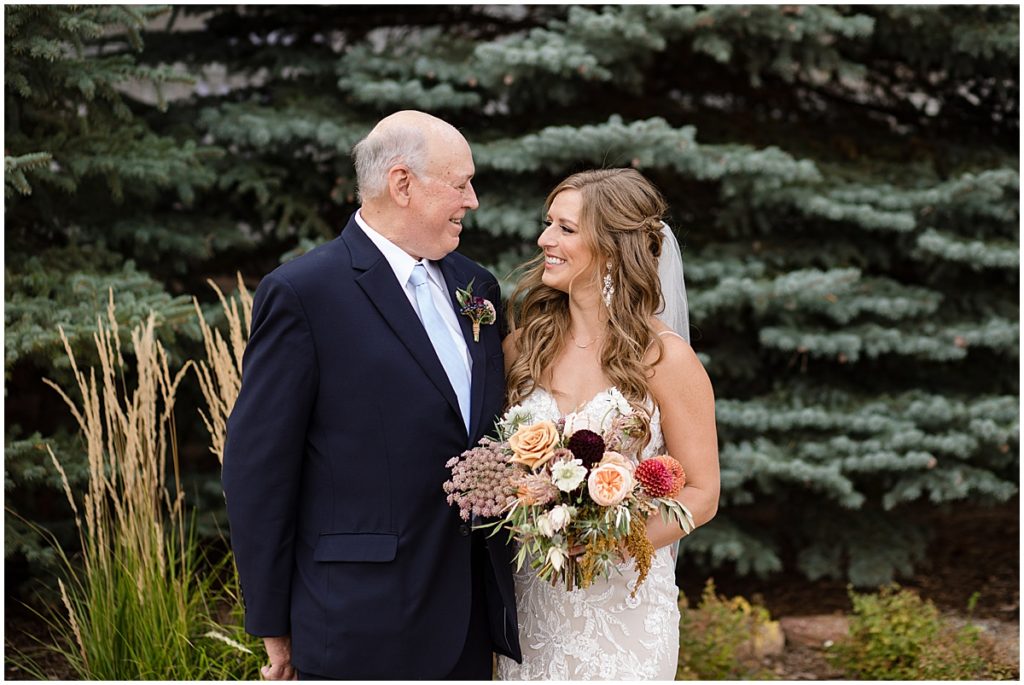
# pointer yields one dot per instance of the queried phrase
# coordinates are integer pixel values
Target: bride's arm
(683, 391)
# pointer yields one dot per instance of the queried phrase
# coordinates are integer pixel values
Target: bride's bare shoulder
(677, 367)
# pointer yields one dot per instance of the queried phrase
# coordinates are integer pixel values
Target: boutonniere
(478, 309)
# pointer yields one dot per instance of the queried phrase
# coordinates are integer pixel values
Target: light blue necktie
(440, 337)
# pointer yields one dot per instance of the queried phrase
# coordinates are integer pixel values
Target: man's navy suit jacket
(334, 463)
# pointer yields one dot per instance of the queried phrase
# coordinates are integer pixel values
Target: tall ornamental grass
(220, 374)
(141, 601)
(220, 378)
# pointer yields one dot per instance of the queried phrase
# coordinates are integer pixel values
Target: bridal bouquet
(569, 493)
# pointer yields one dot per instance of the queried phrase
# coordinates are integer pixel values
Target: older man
(361, 379)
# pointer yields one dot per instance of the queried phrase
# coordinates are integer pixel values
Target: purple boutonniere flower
(478, 309)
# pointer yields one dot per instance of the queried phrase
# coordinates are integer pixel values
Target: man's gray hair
(381, 150)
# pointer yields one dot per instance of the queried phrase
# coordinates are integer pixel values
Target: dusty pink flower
(481, 481)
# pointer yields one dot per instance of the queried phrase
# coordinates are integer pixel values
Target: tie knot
(419, 275)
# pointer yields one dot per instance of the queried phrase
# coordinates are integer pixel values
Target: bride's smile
(567, 256)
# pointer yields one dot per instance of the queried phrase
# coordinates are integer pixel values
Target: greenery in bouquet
(574, 494)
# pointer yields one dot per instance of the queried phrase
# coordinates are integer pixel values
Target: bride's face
(567, 256)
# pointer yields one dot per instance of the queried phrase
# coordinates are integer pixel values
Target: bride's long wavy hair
(620, 221)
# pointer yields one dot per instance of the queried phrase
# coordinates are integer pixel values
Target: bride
(585, 330)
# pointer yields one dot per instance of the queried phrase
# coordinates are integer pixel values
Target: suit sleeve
(263, 453)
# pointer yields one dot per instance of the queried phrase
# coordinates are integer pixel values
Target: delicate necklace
(583, 347)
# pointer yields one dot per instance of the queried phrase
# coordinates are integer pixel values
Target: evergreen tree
(844, 181)
(96, 200)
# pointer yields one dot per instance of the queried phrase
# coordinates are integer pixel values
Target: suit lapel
(455, 280)
(382, 289)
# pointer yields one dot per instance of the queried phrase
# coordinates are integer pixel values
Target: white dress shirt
(402, 264)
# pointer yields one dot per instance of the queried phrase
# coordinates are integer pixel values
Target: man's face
(440, 199)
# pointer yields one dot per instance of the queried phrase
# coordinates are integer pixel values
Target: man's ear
(399, 181)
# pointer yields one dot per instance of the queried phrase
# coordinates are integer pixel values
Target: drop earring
(608, 288)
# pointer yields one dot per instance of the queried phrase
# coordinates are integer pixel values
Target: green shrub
(721, 638)
(895, 635)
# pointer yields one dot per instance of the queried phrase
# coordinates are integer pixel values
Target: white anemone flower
(568, 475)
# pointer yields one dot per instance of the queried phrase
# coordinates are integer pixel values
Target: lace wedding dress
(597, 633)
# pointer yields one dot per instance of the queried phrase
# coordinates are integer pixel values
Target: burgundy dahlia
(587, 446)
(656, 478)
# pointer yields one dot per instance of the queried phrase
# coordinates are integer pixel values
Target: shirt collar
(401, 262)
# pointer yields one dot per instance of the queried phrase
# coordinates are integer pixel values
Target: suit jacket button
(464, 529)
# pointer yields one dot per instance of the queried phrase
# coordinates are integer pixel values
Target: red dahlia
(678, 474)
(659, 478)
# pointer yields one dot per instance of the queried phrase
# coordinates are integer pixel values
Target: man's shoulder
(323, 261)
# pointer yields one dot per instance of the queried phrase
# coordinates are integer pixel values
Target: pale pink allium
(481, 482)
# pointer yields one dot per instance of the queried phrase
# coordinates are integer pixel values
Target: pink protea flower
(536, 489)
(623, 433)
(658, 478)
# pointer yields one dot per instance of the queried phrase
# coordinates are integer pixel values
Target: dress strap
(664, 333)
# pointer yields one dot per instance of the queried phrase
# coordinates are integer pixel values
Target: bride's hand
(577, 550)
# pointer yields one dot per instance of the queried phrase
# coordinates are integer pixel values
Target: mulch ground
(20, 626)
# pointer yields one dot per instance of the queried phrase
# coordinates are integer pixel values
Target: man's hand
(279, 650)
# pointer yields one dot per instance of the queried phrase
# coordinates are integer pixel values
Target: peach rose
(618, 460)
(533, 446)
(609, 484)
